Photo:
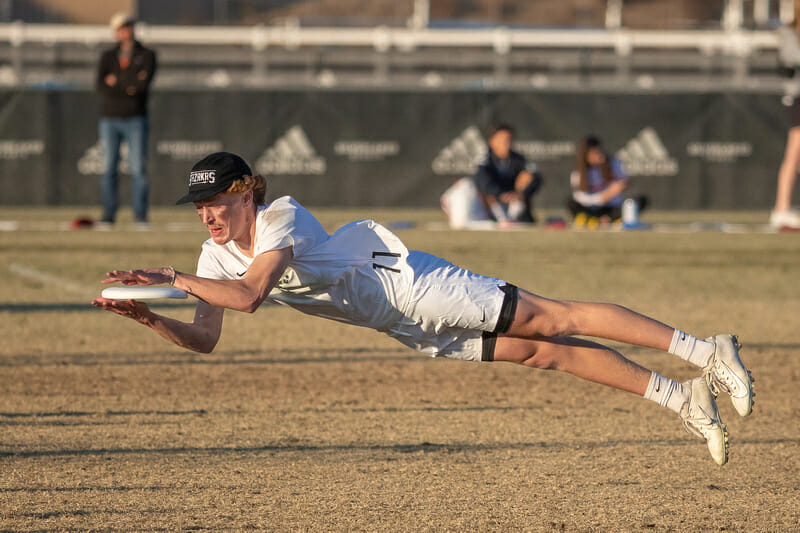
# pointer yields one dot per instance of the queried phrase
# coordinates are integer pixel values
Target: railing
(738, 43)
(290, 55)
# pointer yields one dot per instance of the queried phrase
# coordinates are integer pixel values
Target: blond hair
(257, 184)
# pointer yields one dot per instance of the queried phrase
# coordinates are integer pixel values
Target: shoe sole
(725, 443)
(727, 446)
(738, 346)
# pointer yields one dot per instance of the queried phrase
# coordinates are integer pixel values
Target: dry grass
(296, 423)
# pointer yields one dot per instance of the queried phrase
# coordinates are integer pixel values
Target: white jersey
(364, 275)
(325, 270)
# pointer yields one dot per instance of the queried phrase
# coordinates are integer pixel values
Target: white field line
(9, 225)
(169, 227)
(64, 284)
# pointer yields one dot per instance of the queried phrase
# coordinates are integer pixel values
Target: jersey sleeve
(520, 164)
(286, 224)
(617, 172)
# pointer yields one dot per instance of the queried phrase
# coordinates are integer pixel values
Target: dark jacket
(128, 97)
(495, 176)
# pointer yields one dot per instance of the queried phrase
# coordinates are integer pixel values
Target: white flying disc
(142, 293)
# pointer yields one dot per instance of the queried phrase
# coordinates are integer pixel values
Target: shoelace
(692, 430)
(722, 380)
(698, 426)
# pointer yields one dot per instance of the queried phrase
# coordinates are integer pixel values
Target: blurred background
(386, 102)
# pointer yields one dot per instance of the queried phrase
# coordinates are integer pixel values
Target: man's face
(500, 143)
(225, 215)
(124, 33)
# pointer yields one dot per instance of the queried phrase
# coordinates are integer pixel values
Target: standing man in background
(123, 81)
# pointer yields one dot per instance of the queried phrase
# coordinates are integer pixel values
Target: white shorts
(452, 312)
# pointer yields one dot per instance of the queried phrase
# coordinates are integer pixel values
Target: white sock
(515, 209)
(498, 212)
(691, 348)
(666, 392)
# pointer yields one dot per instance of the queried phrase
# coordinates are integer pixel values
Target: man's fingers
(127, 308)
(128, 277)
(105, 304)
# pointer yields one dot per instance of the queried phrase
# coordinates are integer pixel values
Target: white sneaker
(726, 372)
(701, 418)
(788, 219)
(103, 225)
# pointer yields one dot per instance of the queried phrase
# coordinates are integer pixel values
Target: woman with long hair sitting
(598, 183)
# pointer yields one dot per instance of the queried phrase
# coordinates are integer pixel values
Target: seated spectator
(597, 186)
(505, 180)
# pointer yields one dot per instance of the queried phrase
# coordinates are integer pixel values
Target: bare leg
(535, 339)
(788, 172)
(584, 359)
(538, 317)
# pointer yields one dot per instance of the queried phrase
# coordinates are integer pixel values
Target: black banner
(401, 148)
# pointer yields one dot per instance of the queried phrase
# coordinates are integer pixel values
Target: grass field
(296, 423)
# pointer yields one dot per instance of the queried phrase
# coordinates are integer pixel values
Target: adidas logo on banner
(291, 154)
(645, 155)
(462, 155)
(93, 160)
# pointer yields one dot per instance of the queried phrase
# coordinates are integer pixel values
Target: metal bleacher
(288, 55)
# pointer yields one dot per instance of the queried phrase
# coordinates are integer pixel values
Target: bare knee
(579, 318)
(533, 354)
(541, 317)
(541, 360)
(546, 354)
(527, 352)
(558, 320)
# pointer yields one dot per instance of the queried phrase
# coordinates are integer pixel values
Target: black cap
(214, 174)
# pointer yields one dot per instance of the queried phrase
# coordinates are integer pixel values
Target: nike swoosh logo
(658, 387)
(483, 316)
(712, 421)
(240, 274)
(683, 337)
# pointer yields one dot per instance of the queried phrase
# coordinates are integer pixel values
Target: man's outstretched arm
(201, 335)
(245, 294)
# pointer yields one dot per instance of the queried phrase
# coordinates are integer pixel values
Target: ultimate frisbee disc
(142, 293)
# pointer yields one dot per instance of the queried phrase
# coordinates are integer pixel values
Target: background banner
(403, 148)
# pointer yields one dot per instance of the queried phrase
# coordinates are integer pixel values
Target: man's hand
(145, 276)
(510, 196)
(110, 80)
(133, 309)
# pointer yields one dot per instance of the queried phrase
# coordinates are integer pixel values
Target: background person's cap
(119, 20)
(214, 174)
